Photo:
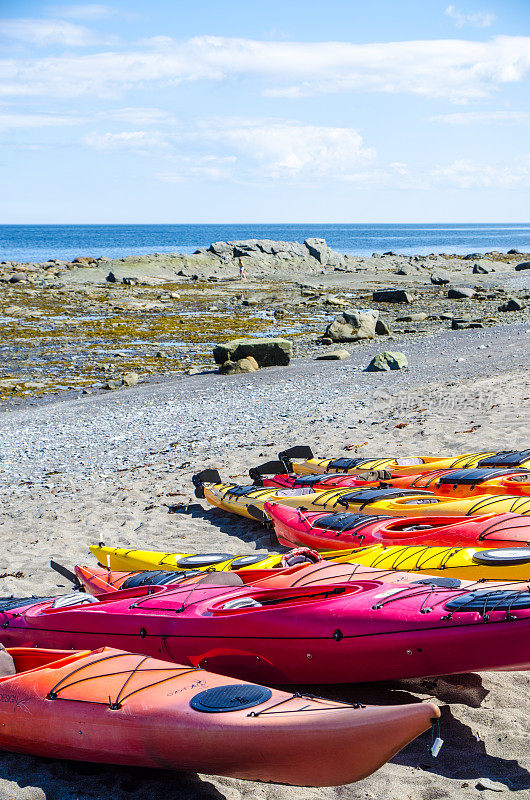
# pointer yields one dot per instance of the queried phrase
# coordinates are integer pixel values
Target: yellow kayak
(402, 466)
(467, 563)
(123, 559)
(249, 501)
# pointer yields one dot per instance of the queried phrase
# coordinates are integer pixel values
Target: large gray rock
(221, 249)
(381, 328)
(512, 304)
(266, 352)
(387, 360)
(464, 323)
(460, 293)
(439, 280)
(351, 326)
(522, 265)
(318, 249)
(392, 296)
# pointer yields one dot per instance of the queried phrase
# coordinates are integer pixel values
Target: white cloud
(457, 70)
(479, 19)
(476, 117)
(261, 149)
(212, 167)
(139, 116)
(465, 174)
(42, 32)
(9, 120)
(283, 149)
(142, 141)
(88, 11)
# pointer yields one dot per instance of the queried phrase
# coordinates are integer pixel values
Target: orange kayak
(114, 707)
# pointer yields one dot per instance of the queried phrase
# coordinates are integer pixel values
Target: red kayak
(98, 581)
(325, 531)
(363, 630)
(113, 707)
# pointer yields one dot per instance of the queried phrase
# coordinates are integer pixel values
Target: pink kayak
(341, 531)
(363, 630)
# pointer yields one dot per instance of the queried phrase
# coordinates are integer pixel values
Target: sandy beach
(109, 467)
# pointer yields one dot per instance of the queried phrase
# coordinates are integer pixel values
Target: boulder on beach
(465, 323)
(392, 296)
(512, 304)
(522, 265)
(460, 293)
(387, 360)
(439, 280)
(334, 355)
(267, 352)
(351, 326)
(229, 367)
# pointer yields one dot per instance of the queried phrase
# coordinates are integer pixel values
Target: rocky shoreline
(79, 327)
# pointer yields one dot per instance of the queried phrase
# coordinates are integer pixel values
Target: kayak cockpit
(28, 659)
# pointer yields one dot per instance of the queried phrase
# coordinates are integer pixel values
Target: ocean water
(38, 243)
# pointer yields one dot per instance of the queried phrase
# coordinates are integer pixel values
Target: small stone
(493, 786)
(114, 383)
(514, 252)
(460, 293)
(512, 304)
(130, 378)
(111, 278)
(126, 281)
(387, 360)
(522, 265)
(334, 355)
(478, 269)
(18, 277)
(419, 317)
(326, 340)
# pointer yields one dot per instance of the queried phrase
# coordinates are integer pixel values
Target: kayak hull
(363, 630)
(296, 527)
(390, 501)
(114, 707)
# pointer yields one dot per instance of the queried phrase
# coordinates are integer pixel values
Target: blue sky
(250, 111)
